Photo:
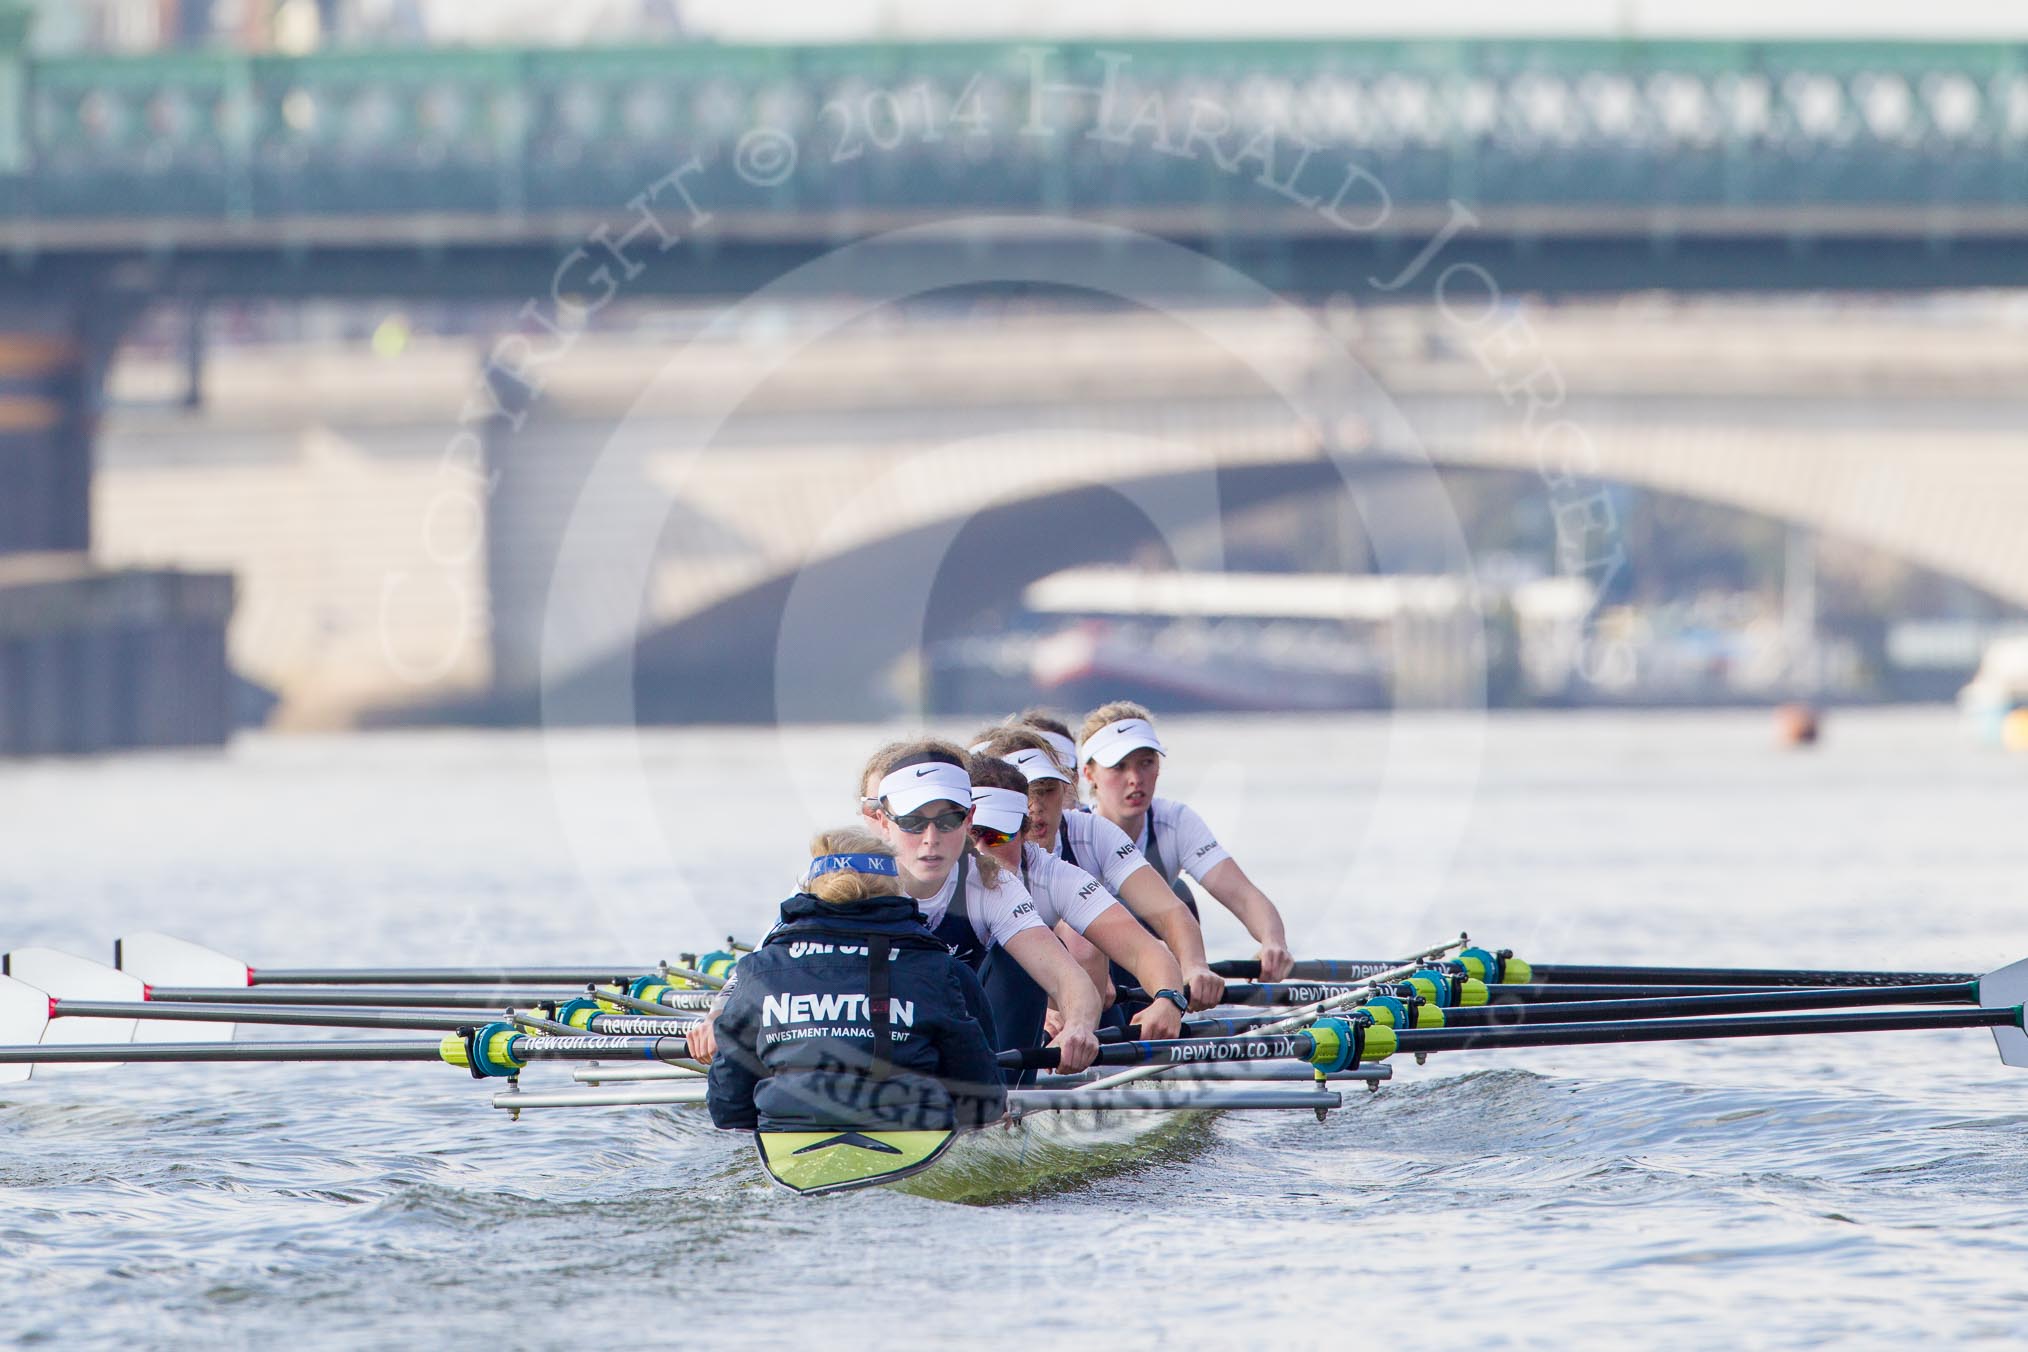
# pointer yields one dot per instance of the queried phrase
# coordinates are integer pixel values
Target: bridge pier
(91, 659)
(50, 376)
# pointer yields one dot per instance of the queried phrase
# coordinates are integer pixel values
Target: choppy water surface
(1853, 1189)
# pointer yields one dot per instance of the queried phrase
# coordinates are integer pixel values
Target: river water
(1864, 1190)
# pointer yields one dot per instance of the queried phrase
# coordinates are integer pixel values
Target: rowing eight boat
(1148, 1101)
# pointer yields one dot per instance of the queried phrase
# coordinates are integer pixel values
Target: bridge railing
(1563, 124)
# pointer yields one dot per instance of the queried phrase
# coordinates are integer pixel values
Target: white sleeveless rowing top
(1099, 848)
(1062, 890)
(997, 913)
(1181, 842)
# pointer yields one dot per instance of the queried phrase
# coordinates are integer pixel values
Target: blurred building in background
(306, 25)
(257, 305)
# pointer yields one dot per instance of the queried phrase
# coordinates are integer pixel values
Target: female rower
(1122, 760)
(1052, 730)
(920, 796)
(1101, 849)
(851, 1015)
(1075, 904)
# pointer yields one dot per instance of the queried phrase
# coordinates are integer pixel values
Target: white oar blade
(74, 978)
(2008, 989)
(162, 960)
(24, 1017)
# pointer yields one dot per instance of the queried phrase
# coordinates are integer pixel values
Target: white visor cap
(914, 787)
(1035, 763)
(999, 809)
(1066, 750)
(1112, 743)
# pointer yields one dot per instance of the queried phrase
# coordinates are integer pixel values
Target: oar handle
(1348, 970)
(1033, 1058)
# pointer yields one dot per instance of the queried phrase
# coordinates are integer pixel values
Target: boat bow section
(816, 1162)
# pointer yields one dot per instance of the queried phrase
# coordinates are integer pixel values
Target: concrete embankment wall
(97, 660)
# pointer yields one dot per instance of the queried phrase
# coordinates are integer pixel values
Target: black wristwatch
(1176, 998)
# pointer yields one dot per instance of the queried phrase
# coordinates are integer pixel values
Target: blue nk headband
(882, 864)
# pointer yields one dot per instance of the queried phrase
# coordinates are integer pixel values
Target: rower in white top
(1092, 926)
(1121, 758)
(919, 796)
(1095, 845)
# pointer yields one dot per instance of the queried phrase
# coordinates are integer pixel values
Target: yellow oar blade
(811, 1162)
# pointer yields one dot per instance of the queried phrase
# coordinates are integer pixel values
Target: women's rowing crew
(1044, 912)
(1091, 924)
(922, 800)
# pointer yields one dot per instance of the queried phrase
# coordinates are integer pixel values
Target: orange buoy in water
(1796, 725)
(2014, 730)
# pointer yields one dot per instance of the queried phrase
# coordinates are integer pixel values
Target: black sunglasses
(915, 823)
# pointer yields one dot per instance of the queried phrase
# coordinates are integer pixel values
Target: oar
(1339, 1044)
(161, 959)
(1699, 1001)
(1309, 1014)
(27, 1016)
(290, 1017)
(330, 1049)
(393, 997)
(495, 1050)
(1471, 991)
(1789, 1000)
(1567, 974)
(1485, 964)
(1564, 974)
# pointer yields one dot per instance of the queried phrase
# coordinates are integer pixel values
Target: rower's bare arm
(1128, 943)
(1043, 957)
(1147, 896)
(1090, 959)
(1236, 892)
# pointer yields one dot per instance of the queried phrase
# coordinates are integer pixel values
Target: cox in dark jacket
(798, 1032)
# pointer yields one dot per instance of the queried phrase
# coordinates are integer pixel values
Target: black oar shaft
(1750, 1002)
(331, 1050)
(396, 997)
(1564, 974)
(619, 973)
(444, 1020)
(1259, 994)
(1310, 969)
(1580, 974)
(1300, 1046)
(1677, 1030)
(1537, 994)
